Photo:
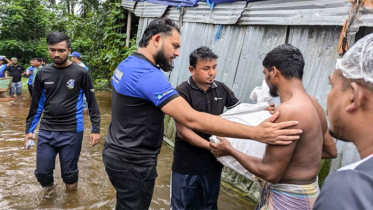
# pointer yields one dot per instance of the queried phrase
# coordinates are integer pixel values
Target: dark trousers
(68, 145)
(134, 184)
(195, 191)
(30, 88)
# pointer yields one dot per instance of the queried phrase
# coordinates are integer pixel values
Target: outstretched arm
(8, 61)
(266, 132)
(191, 137)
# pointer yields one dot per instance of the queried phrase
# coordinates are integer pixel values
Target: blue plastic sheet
(175, 3)
(188, 3)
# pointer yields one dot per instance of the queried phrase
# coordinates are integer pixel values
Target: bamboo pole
(129, 20)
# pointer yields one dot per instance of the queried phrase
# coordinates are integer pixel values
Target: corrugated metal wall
(296, 12)
(265, 12)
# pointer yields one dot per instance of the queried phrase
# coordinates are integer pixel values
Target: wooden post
(129, 20)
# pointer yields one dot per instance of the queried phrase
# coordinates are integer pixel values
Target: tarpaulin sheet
(188, 3)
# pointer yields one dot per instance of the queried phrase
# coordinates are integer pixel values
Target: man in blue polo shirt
(30, 75)
(3, 66)
(77, 58)
(141, 95)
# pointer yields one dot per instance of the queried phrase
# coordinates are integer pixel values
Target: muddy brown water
(19, 188)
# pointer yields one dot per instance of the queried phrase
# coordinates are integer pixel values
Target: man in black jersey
(58, 95)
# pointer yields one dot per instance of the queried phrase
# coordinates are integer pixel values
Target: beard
(337, 135)
(166, 64)
(59, 60)
(273, 91)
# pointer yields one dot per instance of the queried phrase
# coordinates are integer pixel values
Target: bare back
(299, 162)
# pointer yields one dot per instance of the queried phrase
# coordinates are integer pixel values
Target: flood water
(19, 188)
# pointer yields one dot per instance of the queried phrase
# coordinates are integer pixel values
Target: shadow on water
(20, 190)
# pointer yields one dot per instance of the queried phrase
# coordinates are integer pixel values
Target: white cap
(357, 63)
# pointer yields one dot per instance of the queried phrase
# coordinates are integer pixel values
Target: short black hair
(201, 54)
(161, 25)
(287, 59)
(43, 60)
(57, 37)
(38, 59)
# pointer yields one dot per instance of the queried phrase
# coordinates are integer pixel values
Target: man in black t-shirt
(16, 71)
(195, 171)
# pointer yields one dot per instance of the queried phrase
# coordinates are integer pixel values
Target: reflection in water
(19, 188)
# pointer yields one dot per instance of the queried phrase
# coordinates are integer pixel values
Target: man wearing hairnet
(350, 112)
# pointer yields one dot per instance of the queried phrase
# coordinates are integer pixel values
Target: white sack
(247, 114)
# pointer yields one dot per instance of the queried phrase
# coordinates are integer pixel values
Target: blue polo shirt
(31, 75)
(140, 90)
(2, 70)
(83, 65)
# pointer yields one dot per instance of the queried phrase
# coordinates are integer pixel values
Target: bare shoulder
(316, 103)
(302, 110)
(288, 111)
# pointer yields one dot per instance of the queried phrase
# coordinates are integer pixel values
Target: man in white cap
(350, 112)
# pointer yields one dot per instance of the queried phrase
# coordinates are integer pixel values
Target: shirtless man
(288, 173)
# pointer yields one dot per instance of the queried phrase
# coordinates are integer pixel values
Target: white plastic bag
(247, 114)
(30, 142)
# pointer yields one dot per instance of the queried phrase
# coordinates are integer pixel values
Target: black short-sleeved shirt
(15, 72)
(58, 98)
(189, 159)
(349, 188)
(140, 90)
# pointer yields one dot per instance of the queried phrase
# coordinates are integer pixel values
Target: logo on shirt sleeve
(164, 94)
(70, 84)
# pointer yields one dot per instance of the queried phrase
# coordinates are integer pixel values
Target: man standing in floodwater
(141, 95)
(16, 71)
(288, 173)
(58, 95)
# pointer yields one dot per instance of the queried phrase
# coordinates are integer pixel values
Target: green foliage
(114, 38)
(97, 30)
(102, 84)
(23, 29)
(324, 170)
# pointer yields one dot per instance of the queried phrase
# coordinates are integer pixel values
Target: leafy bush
(102, 84)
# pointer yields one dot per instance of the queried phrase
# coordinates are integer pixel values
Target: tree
(24, 25)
